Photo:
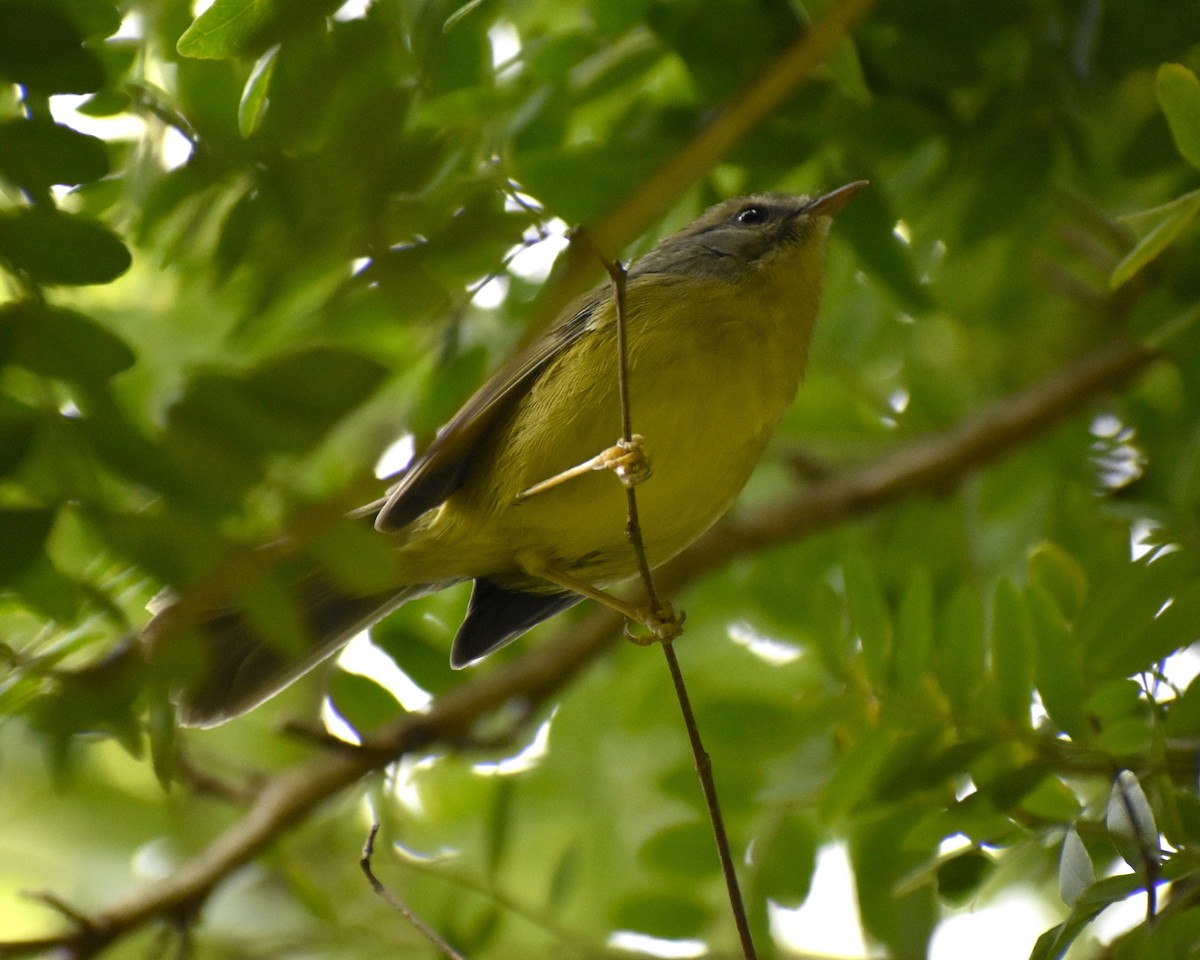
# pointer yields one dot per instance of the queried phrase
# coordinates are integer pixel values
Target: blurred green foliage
(221, 306)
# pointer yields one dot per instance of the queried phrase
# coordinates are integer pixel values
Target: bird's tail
(239, 667)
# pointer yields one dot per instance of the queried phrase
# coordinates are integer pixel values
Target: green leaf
(37, 153)
(682, 850)
(225, 29)
(869, 616)
(825, 611)
(172, 546)
(845, 66)
(465, 10)
(903, 921)
(49, 593)
(747, 727)
(1051, 800)
(450, 384)
(1173, 627)
(867, 224)
(1178, 93)
(1125, 738)
(1173, 934)
(1102, 894)
(1172, 219)
(57, 248)
(1088, 905)
(787, 858)
(500, 824)
(62, 343)
(317, 385)
(1075, 870)
(357, 558)
(402, 638)
(962, 647)
(162, 735)
(1183, 720)
(360, 701)
(18, 423)
(1129, 623)
(960, 876)
(660, 915)
(239, 28)
(253, 104)
(1116, 700)
(914, 630)
(1026, 151)
(1059, 665)
(564, 879)
(1053, 943)
(566, 179)
(1060, 575)
(23, 533)
(1013, 652)
(225, 427)
(856, 772)
(41, 49)
(94, 18)
(99, 696)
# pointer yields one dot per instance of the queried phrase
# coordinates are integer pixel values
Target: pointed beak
(833, 201)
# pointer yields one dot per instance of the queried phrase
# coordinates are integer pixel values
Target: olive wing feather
(441, 468)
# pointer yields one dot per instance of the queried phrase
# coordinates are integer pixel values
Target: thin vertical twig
(708, 787)
(633, 531)
(398, 905)
(633, 527)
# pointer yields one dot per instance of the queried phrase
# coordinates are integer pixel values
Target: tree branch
(929, 466)
(660, 191)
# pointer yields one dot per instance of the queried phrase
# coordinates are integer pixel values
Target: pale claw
(664, 625)
(628, 460)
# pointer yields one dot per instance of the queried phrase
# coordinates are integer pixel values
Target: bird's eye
(752, 215)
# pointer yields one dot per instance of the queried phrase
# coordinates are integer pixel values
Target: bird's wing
(441, 468)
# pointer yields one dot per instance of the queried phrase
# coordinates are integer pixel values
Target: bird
(515, 492)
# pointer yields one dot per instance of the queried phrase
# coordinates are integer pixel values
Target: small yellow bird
(719, 317)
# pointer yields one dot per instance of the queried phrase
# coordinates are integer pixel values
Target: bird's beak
(830, 203)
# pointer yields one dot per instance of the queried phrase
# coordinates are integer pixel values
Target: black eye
(752, 215)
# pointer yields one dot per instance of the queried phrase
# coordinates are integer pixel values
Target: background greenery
(198, 355)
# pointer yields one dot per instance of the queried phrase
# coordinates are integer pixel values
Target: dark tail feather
(497, 615)
(241, 668)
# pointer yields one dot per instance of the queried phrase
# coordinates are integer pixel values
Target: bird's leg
(626, 459)
(663, 624)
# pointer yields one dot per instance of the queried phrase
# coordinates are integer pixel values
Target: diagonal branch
(930, 466)
(660, 191)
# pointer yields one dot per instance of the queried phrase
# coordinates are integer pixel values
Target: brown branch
(289, 797)
(659, 192)
(930, 466)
